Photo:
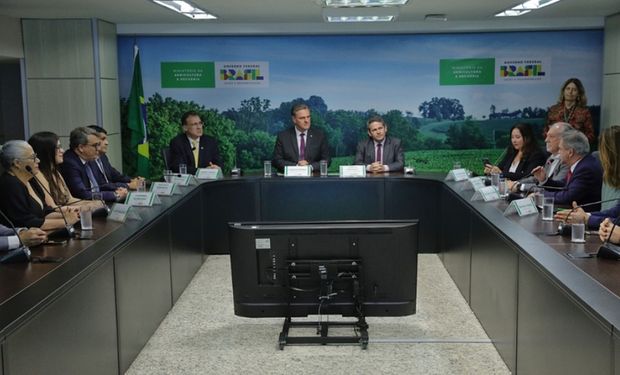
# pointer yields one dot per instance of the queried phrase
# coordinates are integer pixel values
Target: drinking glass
(267, 168)
(547, 208)
(183, 168)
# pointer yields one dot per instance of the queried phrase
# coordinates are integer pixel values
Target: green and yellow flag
(136, 119)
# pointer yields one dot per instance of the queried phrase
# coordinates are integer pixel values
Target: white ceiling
(306, 14)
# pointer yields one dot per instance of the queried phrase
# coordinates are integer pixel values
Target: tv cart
(330, 274)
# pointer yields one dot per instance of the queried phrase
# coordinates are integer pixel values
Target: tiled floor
(201, 335)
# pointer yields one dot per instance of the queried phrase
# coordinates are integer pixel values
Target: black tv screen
(278, 268)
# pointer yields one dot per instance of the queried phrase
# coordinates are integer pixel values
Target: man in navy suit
(30, 237)
(379, 152)
(78, 172)
(105, 173)
(300, 145)
(584, 177)
(192, 144)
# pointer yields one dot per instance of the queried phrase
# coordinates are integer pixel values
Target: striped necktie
(94, 186)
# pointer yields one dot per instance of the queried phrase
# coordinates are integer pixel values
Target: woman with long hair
(521, 156)
(572, 108)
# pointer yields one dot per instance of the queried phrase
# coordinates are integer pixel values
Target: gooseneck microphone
(21, 254)
(68, 231)
(609, 250)
(565, 229)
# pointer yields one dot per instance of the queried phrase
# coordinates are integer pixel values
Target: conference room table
(544, 310)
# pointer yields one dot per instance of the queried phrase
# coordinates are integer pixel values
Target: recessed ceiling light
(385, 14)
(525, 7)
(436, 17)
(186, 8)
(363, 3)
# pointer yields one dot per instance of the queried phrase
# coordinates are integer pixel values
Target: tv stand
(334, 280)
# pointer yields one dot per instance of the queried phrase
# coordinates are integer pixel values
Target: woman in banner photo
(22, 200)
(521, 156)
(50, 153)
(572, 108)
(609, 149)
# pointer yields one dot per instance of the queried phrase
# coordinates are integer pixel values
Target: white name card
(209, 173)
(487, 193)
(181, 180)
(121, 212)
(457, 175)
(354, 171)
(142, 199)
(474, 183)
(297, 171)
(164, 188)
(522, 207)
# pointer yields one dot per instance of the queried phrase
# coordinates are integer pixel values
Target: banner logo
(187, 74)
(523, 70)
(232, 74)
(466, 71)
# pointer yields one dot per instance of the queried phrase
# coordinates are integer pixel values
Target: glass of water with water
(547, 208)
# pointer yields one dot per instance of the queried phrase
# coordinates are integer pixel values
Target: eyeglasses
(196, 124)
(33, 158)
(95, 145)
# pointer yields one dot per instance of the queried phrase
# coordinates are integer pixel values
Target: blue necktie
(100, 165)
(93, 182)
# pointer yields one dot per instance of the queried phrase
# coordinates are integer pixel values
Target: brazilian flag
(136, 120)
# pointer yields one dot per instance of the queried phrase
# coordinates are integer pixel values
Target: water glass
(86, 218)
(267, 168)
(495, 179)
(502, 188)
(167, 175)
(578, 232)
(183, 168)
(323, 165)
(456, 165)
(547, 208)
(141, 185)
(538, 199)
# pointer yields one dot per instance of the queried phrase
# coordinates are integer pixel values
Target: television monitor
(279, 269)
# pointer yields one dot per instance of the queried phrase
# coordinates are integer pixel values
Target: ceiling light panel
(363, 3)
(186, 8)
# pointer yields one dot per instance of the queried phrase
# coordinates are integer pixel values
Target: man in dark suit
(584, 177)
(79, 173)
(379, 153)
(300, 145)
(193, 144)
(30, 237)
(105, 173)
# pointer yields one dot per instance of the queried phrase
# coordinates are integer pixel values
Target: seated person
(77, 171)
(192, 147)
(522, 155)
(300, 145)
(553, 167)
(584, 178)
(105, 173)
(50, 153)
(609, 148)
(379, 152)
(24, 202)
(29, 237)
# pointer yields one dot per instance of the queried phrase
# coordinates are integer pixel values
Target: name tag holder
(209, 174)
(122, 212)
(474, 183)
(352, 171)
(181, 180)
(297, 171)
(165, 188)
(457, 175)
(142, 199)
(522, 207)
(487, 193)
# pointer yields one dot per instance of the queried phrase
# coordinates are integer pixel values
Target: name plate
(457, 175)
(121, 212)
(522, 207)
(208, 173)
(181, 180)
(164, 188)
(354, 171)
(487, 193)
(297, 171)
(142, 199)
(474, 183)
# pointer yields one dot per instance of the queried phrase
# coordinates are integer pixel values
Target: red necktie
(568, 176)
(302, 147)
(378, 154)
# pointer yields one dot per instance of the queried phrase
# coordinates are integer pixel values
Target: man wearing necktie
(192, 147)
(300, 145)
(78, 167)
(104, 172)
(379, 152)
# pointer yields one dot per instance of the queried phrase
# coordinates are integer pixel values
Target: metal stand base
(322, 337)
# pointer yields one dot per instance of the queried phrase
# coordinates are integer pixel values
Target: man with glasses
(77, 167)
(192, 147)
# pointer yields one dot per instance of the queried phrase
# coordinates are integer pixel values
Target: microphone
(68, 230)
(607, 249)
(564, 228)
(21, 254)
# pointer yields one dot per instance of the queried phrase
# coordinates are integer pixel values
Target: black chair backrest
(165, 153)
